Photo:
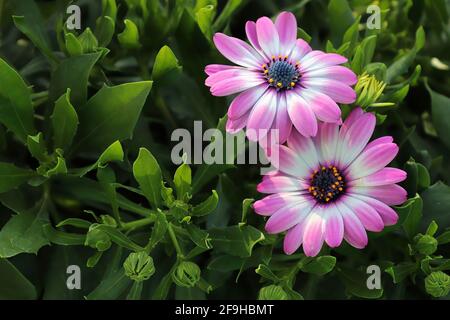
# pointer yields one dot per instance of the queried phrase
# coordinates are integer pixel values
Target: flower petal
(379, 178)
(235, 125)
(317, 59)
(327, 140)
(389, 216)
(282, 121)
(235, 85)
(236, 72)
(390, 194)
(354, 232)
(368, 216)
(262, 116)
(334, 227)
(289, 162)
(287, 217)
(210, 69)
(313, 235)
(338, 73)
(338, 91)
(301, 114)
(280, 183)
(272, 203)
(237, 51)
(245, 101)
(355, 139)
(300, 49)
(286, 25)
(252, 36)
(293, 238)
(304, 147)
(268, 36)
(371, 160)
(323, 106)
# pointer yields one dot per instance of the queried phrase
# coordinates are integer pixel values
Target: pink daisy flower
(281, 81)
(332, 187)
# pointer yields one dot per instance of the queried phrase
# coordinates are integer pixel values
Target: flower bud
(368, 90)
(139, 266)
(97, 239)
(108, 220)
(272, 292)
(187, 274)
(437, 284)
(426, 244)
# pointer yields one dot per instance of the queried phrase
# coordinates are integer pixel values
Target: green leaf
(73, 73)
(205, 172)
(246, 205)
(236, 240)
(14, 284)
(356, 284)
(11, 176)
(226, 14)
(411, 214)
(135, 291)
(64, 122)
(111, 287)
(162, 290)
(200, 237)
(165, 62)
(302, 34)
(341, 18)
(75, 222)
(444, 237)
(63, 238)
(88, 41)
(205, 17)
(112, 154)
(401, 65)
(159, 230)
(436, 201)
(183, 180)
(37, 148)
(363, 54)
(24, 232)
(16, 110)
(147, 173)
(30, 22)
(320, 265)
(402, 270)
(104, 30)
(110, 115)
(119, 238)
(207, 206)
(440, 115)
(129, 38)
(265, 272)
(73, 45)
(432, 228)
(59, 168)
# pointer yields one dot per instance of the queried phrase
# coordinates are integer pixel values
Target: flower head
(281, 81)
(332, 187)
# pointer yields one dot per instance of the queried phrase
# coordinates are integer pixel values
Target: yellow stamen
(271, 80)
(279, 84)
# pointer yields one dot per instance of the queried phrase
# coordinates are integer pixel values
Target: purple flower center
(280, 73)
(327, 184)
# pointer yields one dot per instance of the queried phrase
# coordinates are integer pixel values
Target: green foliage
(86, 118)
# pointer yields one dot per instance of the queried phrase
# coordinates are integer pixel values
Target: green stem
(175, 241)
(137, 223)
